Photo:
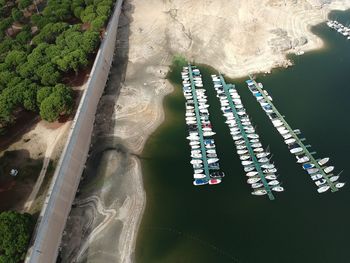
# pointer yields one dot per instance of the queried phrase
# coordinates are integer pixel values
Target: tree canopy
(15, 233)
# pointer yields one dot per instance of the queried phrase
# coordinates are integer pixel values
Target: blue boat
(308, 166)
(200, 181)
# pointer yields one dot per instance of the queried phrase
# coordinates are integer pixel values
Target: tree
(98, 23)
(15, 58)
(23, 4)
(103, 10)
(15, 233)
(59, 102)
(42, 94)
(16, 14)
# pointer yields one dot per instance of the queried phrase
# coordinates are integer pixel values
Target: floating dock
(340, 28)
(192, 76)
(233, 105)
(269, 108)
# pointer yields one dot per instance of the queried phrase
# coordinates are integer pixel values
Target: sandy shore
(236, 38)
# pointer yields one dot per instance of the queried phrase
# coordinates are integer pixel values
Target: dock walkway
(257, 165)
(299, 141)
(199, 124)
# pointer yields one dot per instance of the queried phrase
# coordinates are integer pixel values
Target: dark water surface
(225, 223)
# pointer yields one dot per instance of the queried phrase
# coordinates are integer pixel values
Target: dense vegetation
(38, 48)
(15, 232)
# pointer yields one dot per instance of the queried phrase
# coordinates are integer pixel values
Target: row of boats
(204, 158)
(318, 170)
(340, 28)
(260, 171)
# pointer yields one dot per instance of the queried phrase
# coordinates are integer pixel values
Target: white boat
(323, 189)
(237, 137)
(249, 168)
(323, 161)
(296, 150)
(257, 185)
(339, 185)
(249, 174)
(258, 150)
(273, 182)
(312, 170)
(268, 166)
(278, 188)
(212, 160)
(289, 141)
(256, 145)
(195, 146)
(196, 161)
(287, 136)
(334, 178)
(199, 176)
(283, 132)
(253, 180)
(272, 170)
(241, 147)
(197, 165)
(263, 160)
(271, 177)
(211, 151)
(261, 155)
(244, 157)
(259, 192)
(316, 177)
(198, 171)
(194, 143)
(245, 163)
(328, 169)
(303, 159)
(320, 182)
(207, 134)
(196, 155)
(242, 152)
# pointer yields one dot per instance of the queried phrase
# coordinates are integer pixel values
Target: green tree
(16, 14)
(60, 102)
(42, 94)
(22, 4)
(15, 233)
(103, 10)
(98, 23)
(15, 58)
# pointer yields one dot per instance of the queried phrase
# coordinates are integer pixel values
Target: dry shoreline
(157, 31)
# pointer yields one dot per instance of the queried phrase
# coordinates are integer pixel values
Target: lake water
(225, 223)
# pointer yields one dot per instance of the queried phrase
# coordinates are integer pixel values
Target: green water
(225, 223)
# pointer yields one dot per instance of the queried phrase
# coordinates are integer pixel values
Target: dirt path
(54, 140)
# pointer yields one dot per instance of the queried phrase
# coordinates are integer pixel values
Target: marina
(319, 173)
(203, 150)
(259, 170)
(340, 28)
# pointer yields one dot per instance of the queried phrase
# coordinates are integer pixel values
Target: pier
(226, 88)
(199, 124)
(294, 134)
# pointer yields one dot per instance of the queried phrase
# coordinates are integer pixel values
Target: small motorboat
(257, 185)
(323, 161)
(245, 163)
(253, 136)
(287, 136)
(199, 176)
(334, 178)
(212, 160)
(214, 181)
(268, 171)
(258, 150)
(212, 155)
(242, 152)
(263, 160)
(271, 177)
(261, 155)
(256, 145)
(249, 168)
(323, 189)
(303, 159)
(320, 182)
(339, 185)
(328, 169)
(199, 171)
(308, 166)
(259, 192)
(249, 174)
(253, 180)
(196, 161)
(244, 157)
(200, 182)
(296, 150)
(312, 170)
(217, 174)
(241, 147)
(268, 166)
(278, 188)
(290, 141)
(211, 151)
(273, 182)
(316, 177)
